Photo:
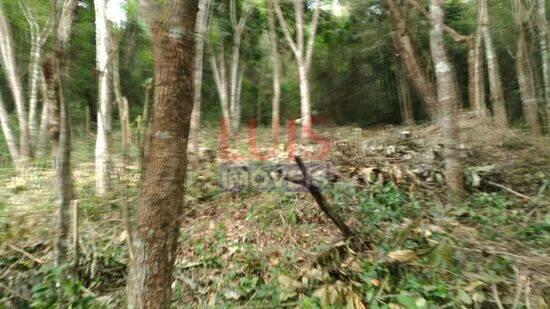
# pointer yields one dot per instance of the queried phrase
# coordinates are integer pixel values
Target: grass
(279, 250)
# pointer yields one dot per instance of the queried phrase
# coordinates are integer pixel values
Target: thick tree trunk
(276, 66)
(8, 134)
(448, 100)
(411, 62)
(10, 69)
(545, 52)
(162, 189)
(495, 79)
(405, 99)
(201, 26)
(104, 118)
(305, 102)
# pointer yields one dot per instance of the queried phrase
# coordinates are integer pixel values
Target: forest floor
(278, 249)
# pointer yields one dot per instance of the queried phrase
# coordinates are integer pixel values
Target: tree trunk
(162, 189)
(104, 131)
(201, 26)
(10, 69)
(526, 78)
(8, 134)
(448, 100)
(221, 85)
(42, 133)
(545, 52)
(59, 130)
(411, 62)
(276, 65)
(405, 99)
(59, 125)
(305, 103)
(477, 78)
(495, 80)
(122, 102)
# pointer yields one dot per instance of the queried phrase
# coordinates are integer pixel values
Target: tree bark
(201, 26)
(448, 100)
(162, 190)
(10, 69)
(526, 78)
(411, 62)
(276, 66)
(495, 79)
(303, 54)
(104, 130)
(545, 53)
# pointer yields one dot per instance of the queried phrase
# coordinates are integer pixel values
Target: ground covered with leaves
(411, 249)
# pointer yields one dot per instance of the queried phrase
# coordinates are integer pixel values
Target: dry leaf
(402, 256)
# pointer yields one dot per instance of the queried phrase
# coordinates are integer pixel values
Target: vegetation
(148, 154)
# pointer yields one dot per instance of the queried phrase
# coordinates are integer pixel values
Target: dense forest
(274, 153)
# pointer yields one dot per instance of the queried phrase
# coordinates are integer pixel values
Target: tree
(38, 38)
(475, 68)
(121, 101)
(228, 88)
(103, 140)
(59, 123)
(276, 65)
(302, 53)
(448, 100)
(201, 26)
(410, 60)
(160, 202)
(525, 74)
(8, 133)
(493, 67)
(7, 60)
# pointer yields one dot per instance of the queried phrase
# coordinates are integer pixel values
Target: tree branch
(286, 31)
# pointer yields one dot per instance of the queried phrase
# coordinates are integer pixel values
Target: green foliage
(55, 289)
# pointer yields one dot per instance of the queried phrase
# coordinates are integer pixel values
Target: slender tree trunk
(122, 102)
(10, 69)
(477, 78)
(233, 81)
(305, 106)
(411, 62)
(162, 189)
(220, 78)
(448, 100)
(59, 129)
(104, 130)
(8, 134)
(526, 78)
(545, 52)
(276, 66)
(495, 79)
(43, 132)
(405, 99)
(201, 26)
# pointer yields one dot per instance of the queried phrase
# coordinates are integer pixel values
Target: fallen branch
(316, 192)
(516, 193)
(25, 253)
